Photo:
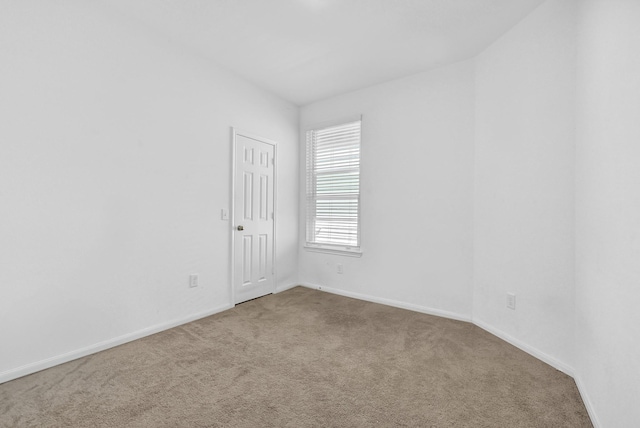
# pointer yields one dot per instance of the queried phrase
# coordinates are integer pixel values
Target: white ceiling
(307, 50)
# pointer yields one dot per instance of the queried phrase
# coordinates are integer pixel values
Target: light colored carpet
(302, 358)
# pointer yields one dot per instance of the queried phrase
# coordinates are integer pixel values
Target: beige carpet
(302, 358)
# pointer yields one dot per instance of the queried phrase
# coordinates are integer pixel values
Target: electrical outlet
(340, 268)
(511, 301)
(193, 280)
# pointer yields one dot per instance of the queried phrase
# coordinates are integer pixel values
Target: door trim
(234, 133)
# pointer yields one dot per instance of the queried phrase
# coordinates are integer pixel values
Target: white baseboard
(556, 364)
(101, 346)
(507, 338)
(281, 288)
(587, 402)
(431, 311)
(389, 302)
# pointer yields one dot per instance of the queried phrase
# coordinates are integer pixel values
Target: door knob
(240, 227)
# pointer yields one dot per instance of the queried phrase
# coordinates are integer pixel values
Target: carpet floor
(302, 358)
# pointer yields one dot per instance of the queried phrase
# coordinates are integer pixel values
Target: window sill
(348, 253)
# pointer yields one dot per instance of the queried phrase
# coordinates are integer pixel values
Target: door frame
(234, 133)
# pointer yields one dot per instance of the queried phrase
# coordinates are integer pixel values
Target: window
(333, 188)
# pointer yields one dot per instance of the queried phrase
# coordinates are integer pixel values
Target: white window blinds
(333, 187)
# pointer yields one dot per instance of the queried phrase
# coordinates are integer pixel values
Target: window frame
(339, 249)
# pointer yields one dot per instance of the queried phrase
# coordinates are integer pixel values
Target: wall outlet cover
(193, 280)
(511, 301)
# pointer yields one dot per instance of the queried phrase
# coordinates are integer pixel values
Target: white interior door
(253, 217)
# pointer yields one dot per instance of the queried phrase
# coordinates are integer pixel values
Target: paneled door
(253, 217)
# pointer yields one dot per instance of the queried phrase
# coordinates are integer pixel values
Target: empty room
(319, 213)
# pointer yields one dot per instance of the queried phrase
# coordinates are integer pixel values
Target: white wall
(524, 184)
(416, 185)
(608, 210)
(114, 165)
